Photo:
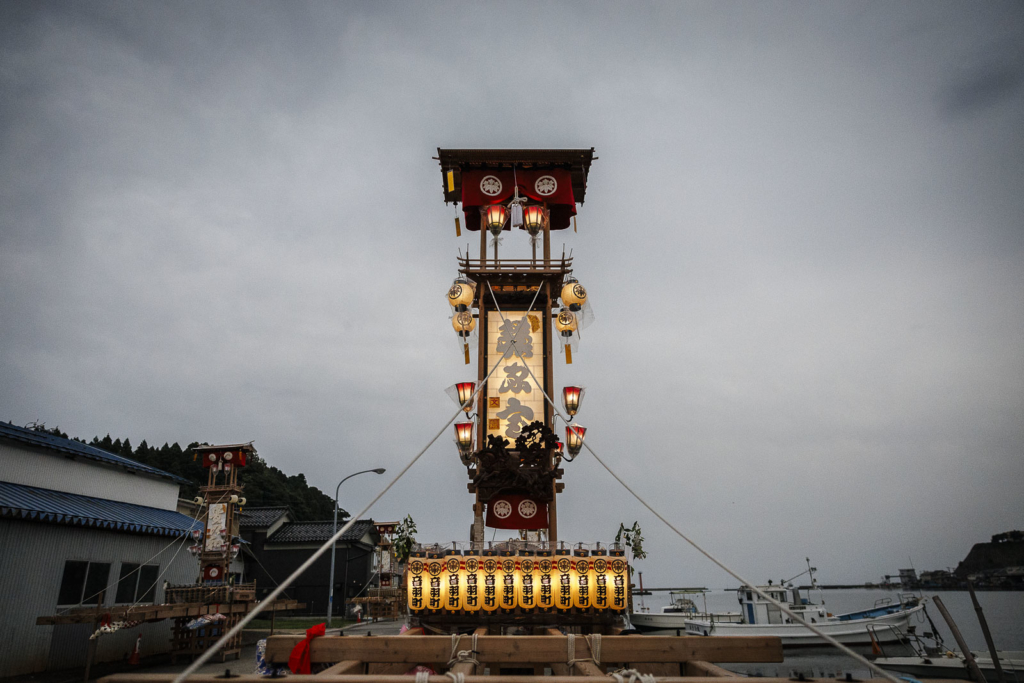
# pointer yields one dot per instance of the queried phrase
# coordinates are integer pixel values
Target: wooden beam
(388, 668)
(157, 612)
(467, 668)
(532, 649)
(698, 668)
(349, 666)
(355, 678)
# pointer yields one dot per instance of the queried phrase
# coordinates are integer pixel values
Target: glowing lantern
(574, 435)
(533, 219)
(565, 322)
(507, 576)
(573, 294)
(460, 294)
(546, 582)
(582, 591)
(494, 218)
(562, 577)
(473, 579)
(464, 438)
(463, 323)
(571, 399)
(528, 583)
(489, 602)
(462, 393)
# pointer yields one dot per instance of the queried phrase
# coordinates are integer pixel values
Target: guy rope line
(815, 630)
(206, 656)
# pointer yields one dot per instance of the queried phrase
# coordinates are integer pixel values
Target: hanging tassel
(451, 181)
(574, 223)
(568, 355)
(465, 348)
(458, 227)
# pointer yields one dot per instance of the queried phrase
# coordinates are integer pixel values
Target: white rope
(458, 656)
(571, 659)
(422, 676)
(260, 606)
(456, 677)
(784, 608)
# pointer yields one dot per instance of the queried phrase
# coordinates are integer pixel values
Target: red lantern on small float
(571, 399)
(464, 391)
(574, 435)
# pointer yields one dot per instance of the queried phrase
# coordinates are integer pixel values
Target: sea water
(1004, 612)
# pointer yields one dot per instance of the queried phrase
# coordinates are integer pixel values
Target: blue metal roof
(57, 507)
(77, 448)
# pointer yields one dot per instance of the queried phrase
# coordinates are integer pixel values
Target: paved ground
(246, 663)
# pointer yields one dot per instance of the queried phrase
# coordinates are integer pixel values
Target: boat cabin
(757, 610)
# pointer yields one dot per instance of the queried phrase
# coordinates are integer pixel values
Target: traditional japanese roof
(261, 518)
(78, 449)
(56, 507)
(577, 161)
(318, 532)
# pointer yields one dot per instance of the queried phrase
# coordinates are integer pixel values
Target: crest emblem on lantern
(434, 568)
(526, 565)
(527, 509)
(563, 564)
(618, 566)
(545, 185)
(509, 566)
(600, 566)
(502, 509)
(472, 564)
(416, 567)
(577, 289)
(453, 565)
(582, 566)
(490, 565)
(491, 186)
(455, 292)
(545, 565)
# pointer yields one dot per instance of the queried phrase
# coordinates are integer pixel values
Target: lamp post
(334, 548)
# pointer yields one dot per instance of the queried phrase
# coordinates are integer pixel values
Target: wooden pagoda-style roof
(577, 161)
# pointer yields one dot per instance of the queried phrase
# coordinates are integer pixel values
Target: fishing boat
(672, 617)
(951, 664)
(886, 621)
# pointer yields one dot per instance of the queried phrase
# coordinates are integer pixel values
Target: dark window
(73, 582)
(83, 582)
(137, 584)
(147, 583)
(126, 583)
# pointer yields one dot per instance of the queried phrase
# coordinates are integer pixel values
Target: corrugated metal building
(277, 546)
(79, 525)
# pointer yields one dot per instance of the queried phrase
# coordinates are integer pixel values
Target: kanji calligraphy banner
(551, 186)
(514, 397)
(516, 512)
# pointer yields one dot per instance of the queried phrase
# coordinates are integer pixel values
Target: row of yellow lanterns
(471, 583)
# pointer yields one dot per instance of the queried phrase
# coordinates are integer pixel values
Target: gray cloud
(223, 223)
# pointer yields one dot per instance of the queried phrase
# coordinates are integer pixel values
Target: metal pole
(972, 666)
(334, 546)
(988, 634)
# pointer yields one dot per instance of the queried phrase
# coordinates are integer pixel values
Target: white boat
(672, 617)
(885, 622)
(953, 665)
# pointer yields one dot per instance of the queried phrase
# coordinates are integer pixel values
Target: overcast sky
(803, 241)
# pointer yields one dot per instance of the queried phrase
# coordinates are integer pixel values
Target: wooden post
(549, 411)
(547, 238)
(972, 666)
(988, 634)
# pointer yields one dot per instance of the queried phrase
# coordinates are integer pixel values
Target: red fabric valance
(508, 511)
(553, 186)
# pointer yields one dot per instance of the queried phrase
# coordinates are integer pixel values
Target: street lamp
(334, 545)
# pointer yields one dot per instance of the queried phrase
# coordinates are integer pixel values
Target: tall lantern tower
(515, 313)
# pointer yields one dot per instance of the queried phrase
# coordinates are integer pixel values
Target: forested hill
(265, 485)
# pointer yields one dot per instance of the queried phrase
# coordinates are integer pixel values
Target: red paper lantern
(464, 436)
(533, 219)
(495, 217)
(571, 399)
(465, 391)
(574, 435)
